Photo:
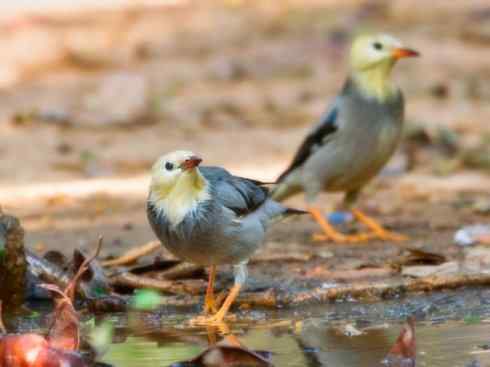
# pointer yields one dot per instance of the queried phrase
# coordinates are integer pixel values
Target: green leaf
(101, 337)
(146, 300)
(99, 291)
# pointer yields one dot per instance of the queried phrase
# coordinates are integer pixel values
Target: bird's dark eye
(377, 45)
(169, 166)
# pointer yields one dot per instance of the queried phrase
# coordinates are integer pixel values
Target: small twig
(133, 254)
(274, 298)
(193, 286)
(281, 257)
(72, 286)
(179, 271)
(55, 289)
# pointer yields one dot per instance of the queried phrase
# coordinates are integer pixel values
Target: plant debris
(60, 347)
(403, 353)
(134, 254)
(191, 286)
(228, 354)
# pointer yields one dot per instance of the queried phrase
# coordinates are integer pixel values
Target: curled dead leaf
(33, 350)
(403, 352)
(228, 353)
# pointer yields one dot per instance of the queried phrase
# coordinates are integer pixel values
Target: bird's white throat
(177, 200)
(375, 81)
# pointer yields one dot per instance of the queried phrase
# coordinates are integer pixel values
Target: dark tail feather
(292, 211)
(258, 182)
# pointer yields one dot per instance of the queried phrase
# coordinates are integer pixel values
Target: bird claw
(362, 237)
(320, 237)
(390, 236)
(210, 307)
(377, 230)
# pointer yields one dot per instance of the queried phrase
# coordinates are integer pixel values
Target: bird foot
(329, 232)
(361, 237)
(218, 318)
(385, 235)
(377, 230)
(210, 307)
(212, 303)
(341, 238)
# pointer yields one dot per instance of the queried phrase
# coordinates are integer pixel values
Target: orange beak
(190, 163)
(400, 53)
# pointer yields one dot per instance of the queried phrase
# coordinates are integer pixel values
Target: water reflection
(314, 343)
(229, 351)
(317, 336)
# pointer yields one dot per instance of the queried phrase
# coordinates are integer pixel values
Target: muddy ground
(91, 99)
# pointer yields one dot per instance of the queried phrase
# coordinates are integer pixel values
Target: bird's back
(369, 132)
(362, 137)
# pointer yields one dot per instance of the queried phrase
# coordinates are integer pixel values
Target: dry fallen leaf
(59, 348)
(403, 352)
(33, 350)
(419, 257)
(64, 331)
(228, 354)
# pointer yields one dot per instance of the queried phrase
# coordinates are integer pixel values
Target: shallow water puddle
(317, 342)
(452, 330)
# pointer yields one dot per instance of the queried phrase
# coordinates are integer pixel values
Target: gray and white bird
(354, 139)
(209, 217)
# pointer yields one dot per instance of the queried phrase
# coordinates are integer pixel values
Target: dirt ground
(90, 100)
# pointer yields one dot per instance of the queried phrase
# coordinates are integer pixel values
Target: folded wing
(239, 194)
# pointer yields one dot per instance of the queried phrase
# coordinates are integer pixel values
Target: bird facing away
(354, 139)
(209, 217)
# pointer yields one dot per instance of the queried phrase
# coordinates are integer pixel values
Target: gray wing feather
(315, 139)
(239, 194)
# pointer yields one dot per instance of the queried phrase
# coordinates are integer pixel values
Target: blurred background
(92, 94)
(93, 91)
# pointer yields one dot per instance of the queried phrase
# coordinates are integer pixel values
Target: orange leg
(210, 300)
(330, 233)
(377, 230)
(228, 338)
(218, 318)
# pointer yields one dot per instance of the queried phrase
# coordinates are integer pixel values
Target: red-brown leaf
(21, 350)
(64, 332)
(227, 356)
(405, 344)
(33, 350)
(51, 357)
(403, 353)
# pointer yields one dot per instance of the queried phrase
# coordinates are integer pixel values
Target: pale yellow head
(177, 186)
(372, 58)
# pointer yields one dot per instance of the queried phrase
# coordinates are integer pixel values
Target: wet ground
(452, 329)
